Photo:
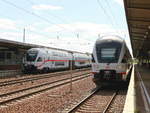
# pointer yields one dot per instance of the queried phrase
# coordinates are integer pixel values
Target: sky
(66, 24)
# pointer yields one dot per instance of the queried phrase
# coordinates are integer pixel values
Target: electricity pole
(24, 35)
(78, 35)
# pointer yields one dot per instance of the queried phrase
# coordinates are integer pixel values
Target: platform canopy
(138, 20)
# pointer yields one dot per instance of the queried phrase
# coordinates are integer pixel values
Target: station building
(11, 56)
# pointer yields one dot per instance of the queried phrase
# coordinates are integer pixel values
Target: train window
(48, 58)
(8, 55)
(31, 55)
(55, 54)
(2, 55)
(59, 63)
(106, 55)
(39, 59)
(108, 52)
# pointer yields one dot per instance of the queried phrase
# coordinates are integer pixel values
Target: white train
(110, 60)
(81, 60)
(44, 60)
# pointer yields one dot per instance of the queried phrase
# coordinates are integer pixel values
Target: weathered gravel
(14, 87)
(118, 104)
(22, 76)
(52, 101)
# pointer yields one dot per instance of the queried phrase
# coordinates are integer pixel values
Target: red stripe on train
(51, 60)
(60, 60)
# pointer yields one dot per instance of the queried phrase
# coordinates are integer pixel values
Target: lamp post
(71, 68)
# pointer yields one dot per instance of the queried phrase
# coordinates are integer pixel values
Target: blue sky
(67, 24)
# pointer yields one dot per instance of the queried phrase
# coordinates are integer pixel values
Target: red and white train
(111, 60)
(44, 60)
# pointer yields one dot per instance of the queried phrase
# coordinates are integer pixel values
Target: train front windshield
(108, 52)
(108, 55)
(31, 55)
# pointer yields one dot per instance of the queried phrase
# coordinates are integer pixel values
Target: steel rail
(89, 96)
(41, 85)
(110, 102)
(43, 76)
(85, 99)
(42, 90)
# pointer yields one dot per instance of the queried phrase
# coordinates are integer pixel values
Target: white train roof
(110, 38)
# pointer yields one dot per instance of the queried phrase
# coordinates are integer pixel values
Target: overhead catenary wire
(113, 16)
(31, 2)
(34, 32)
(18, 28)
(107, 14)
(58, 17)
(33, 14)
(39, 34)
(61, 19)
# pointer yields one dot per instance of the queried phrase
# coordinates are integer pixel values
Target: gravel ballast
(52, 101)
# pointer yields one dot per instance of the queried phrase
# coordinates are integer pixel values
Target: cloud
(71, 43)
(17, 36)
(46, 7)
(79, 27)
(84, 29)
(7, 24)
(88, 33)
(120, 2)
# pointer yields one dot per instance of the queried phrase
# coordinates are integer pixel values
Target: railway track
(20, 94)
(98, 101)
(35, 77)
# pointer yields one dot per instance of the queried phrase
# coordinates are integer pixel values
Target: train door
(73, 64)
(52, 58)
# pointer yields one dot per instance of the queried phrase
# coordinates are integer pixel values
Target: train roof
(48, 49)
(80, 55)
(110, 38)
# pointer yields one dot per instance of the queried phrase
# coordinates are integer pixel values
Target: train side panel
(44, 60)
